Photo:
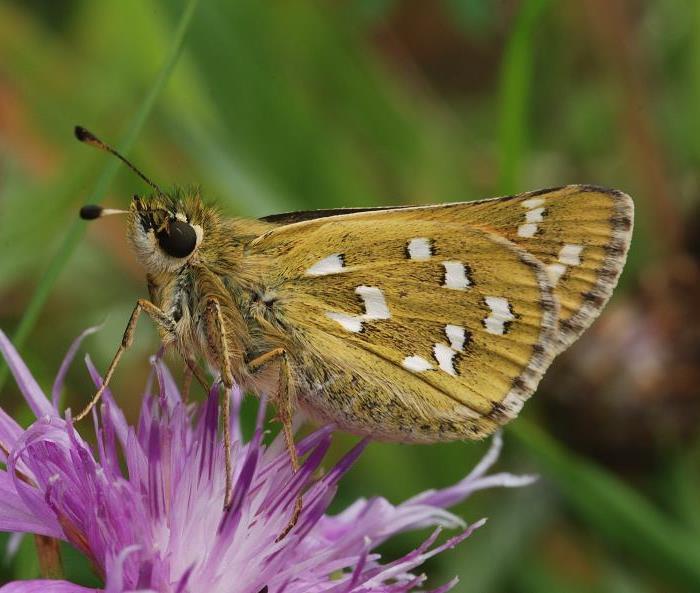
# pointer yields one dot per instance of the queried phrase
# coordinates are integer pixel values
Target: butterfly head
(165, 229)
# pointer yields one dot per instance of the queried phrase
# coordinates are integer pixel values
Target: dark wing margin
(303, 215)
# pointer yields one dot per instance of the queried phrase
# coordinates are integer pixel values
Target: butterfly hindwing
(449, 311)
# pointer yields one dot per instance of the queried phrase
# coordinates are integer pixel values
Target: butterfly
(410, 323)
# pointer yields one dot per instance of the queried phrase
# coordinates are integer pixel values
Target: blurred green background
(276, 106)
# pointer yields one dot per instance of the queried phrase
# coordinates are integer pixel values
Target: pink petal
(65, 365)
(27, 385)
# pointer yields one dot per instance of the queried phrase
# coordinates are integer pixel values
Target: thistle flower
(159, 525)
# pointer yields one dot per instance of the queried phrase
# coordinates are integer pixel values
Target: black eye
(179, 240)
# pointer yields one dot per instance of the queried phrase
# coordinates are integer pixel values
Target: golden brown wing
(581, 233)
(457, 303)
(450, 312)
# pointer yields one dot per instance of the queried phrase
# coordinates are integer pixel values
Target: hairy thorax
(188, 299)
(175, 296)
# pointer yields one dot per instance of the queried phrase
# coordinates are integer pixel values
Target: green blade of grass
(516, 76)
(615, 511)
(77, 229)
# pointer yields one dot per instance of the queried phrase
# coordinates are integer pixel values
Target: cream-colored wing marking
(447, 312)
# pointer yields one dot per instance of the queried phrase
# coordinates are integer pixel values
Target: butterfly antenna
(89, 138)
(93, 211)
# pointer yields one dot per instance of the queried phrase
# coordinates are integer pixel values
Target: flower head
(159, 525)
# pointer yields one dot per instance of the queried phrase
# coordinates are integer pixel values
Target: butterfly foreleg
(284, 403)
(165, 324)
(218, 344)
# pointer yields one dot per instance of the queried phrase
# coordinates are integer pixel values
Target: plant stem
(49, 555)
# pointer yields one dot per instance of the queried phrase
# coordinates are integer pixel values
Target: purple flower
(159, 526)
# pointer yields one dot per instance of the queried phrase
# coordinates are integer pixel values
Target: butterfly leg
(165, 324)
(192, 370)
(186, 382)
(216, 338)
(283, 402)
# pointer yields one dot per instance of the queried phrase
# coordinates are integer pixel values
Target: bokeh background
(276, 106)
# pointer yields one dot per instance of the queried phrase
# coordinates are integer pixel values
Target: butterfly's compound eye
(178, 240)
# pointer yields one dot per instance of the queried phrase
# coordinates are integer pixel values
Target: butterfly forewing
(580, 233)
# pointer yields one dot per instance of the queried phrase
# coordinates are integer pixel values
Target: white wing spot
(333, 264)
(417, 364)
(532, 203)
(535, 213)
(527, 230)
(420, 249)
(555, 271)
(375, 303)
(457, 336)
(444, 355)
(352, 323)
(456, 276)
(500, 314)
(570, 255)
(375, 308)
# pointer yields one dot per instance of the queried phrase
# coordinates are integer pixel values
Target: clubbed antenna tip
(93, 211)
(90, 211)
(84, 135)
